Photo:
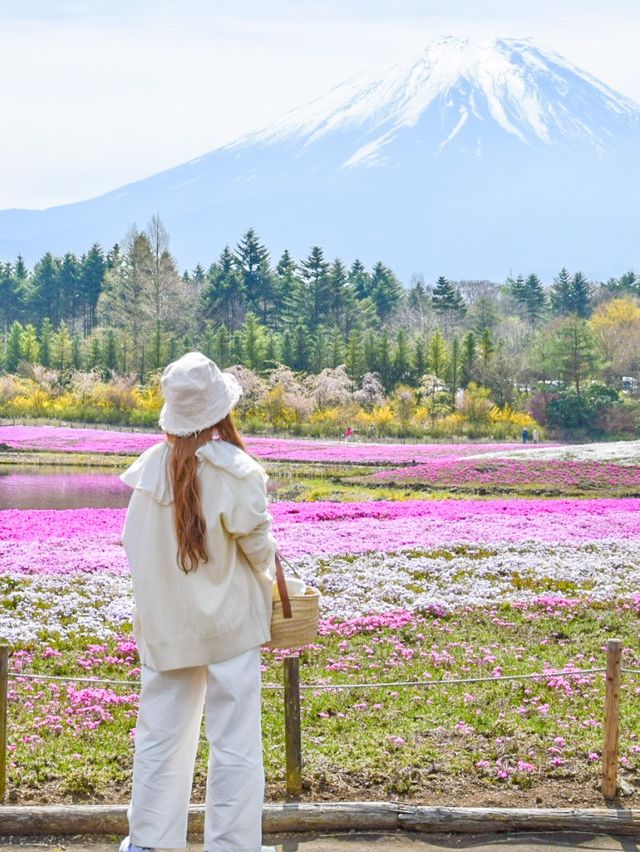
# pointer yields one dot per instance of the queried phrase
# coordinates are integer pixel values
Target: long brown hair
(187, 513)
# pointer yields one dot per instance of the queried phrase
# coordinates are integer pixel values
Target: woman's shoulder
(230, 458)
(149, 473)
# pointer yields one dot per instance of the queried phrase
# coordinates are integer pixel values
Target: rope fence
(292, 687)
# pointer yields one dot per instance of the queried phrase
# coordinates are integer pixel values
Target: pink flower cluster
(554, 473)
(64, 438)
(64, 541)
(68, 439)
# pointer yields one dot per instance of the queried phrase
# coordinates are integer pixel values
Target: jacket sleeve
(246, 518)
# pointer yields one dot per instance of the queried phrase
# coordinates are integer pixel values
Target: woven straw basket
(294, 618)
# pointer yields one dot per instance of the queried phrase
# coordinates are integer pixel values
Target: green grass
(349, 750)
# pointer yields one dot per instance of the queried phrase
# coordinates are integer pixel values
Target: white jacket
(223, 607)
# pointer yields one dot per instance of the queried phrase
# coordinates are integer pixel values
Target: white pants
(167, 734)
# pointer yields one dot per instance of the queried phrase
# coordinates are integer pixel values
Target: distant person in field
(198, 540)
(348, 432)
(536, 436)
(525, 435)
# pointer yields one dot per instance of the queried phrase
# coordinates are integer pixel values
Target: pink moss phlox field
(515, 472)
(62, 438)
(66, 541)
(68, 439)
(49, 541)
(45, 524)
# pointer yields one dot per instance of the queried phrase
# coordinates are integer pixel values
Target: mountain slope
(468, 158)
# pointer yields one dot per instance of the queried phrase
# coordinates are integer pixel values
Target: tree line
(129, 310)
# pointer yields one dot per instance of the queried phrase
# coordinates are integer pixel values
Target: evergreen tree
(95, 352)
(223, 347)
(13, 347)
(8, 307)
(290, 297)
(287, 349)
(417, 299)
(237, 348)
(22, 291)
(271, 353)
(111, 351)
(516, 288)
(76, 351)
(46, 289)
(208, 342)
(419, 359)
(580, 296)
(61, 347)
(437, 355)
(354, 357)
(561, 293)
(314, 271)
(535, 300)
(447, 301)
(629, 282)
(339, 293)
(252, 341)
(252, 260)
(319, 351)
(336, 349)
(29, 345)
(69, 286)
(198, 278)
(385, 290)
(384, 362)
(172, 348)
(222, 296)
(370, 352)
(401, 362)
(46, 341)
(360, 280)
(487, 348)
(301, 356)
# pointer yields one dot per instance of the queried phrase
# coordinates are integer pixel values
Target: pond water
(68, 487)
(60, 488)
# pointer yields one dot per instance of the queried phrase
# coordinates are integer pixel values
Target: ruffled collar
(150, 471)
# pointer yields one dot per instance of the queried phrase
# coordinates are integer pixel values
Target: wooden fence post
(292, 732)
(4, 685)
(611, 720)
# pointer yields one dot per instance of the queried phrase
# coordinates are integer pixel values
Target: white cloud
(98, 94)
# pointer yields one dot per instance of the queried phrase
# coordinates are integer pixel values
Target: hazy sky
(96, 93)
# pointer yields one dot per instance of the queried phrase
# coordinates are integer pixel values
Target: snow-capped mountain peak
(535, 95)
(467, 158)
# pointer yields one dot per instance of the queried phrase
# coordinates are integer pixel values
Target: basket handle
(282, 588)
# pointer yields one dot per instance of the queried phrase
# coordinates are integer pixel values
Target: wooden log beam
(436, 820)
(300, 818)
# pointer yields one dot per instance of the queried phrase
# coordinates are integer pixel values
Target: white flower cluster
(45, 607)
(97, 606)
(622, 452)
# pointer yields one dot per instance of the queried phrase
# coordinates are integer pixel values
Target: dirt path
(377, 843)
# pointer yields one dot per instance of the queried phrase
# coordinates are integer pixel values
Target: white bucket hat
(197, 394)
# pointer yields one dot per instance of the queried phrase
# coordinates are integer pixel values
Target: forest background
(318, 345)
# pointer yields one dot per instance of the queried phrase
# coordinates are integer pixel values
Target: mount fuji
(467, 159)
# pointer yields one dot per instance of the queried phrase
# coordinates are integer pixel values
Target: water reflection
(61, 488)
